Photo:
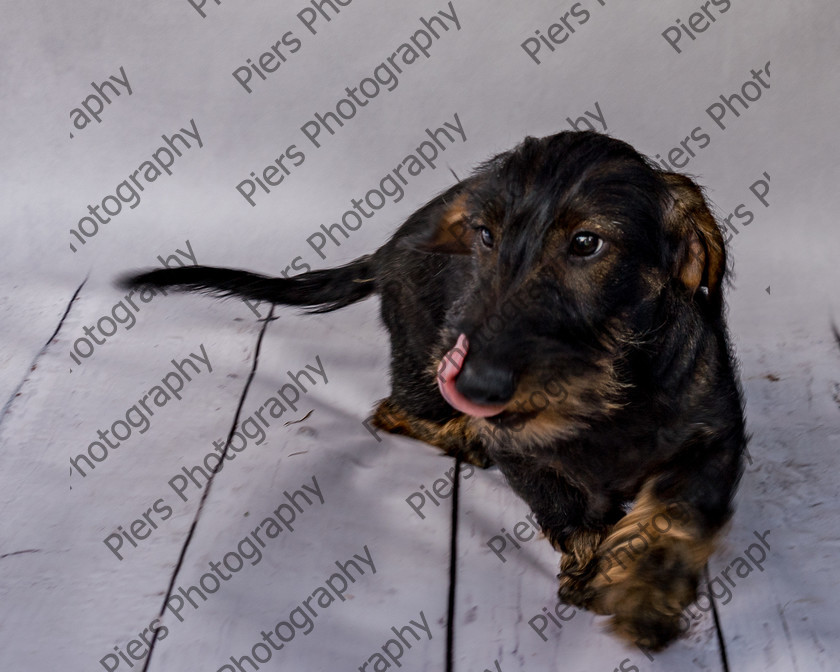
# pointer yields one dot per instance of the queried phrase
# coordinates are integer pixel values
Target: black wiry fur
(322, 290)
(615, 367)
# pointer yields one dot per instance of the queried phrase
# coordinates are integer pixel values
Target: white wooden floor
(280, 520)
(319, 546)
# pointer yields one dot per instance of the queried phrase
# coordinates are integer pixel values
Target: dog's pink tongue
(450, 367)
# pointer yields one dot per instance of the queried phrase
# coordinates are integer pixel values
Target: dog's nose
(484, 383)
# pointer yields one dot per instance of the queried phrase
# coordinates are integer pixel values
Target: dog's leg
(454, 437)
(577, 565)
(574, 523)
(647, 568)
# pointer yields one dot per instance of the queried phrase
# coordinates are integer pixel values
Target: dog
(560, 313)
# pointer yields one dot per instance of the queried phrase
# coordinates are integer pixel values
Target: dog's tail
(321, 291)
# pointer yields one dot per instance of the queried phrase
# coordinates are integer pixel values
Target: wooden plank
(68, 600)
(347, 494)
(29, 315)
(507, 615)
(777, 573)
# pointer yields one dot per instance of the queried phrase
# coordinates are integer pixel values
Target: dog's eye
(485, 235)
(585, 244)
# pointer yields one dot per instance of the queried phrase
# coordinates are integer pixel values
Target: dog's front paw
(646, 594)
(578, 566)
(574, 589)
(651, 630)
(454, 437)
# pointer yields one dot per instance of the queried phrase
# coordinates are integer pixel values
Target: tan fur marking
(576, 565)
(691, 273)
(455, 437)
(647, 570)
(689, 217)
(451, 235)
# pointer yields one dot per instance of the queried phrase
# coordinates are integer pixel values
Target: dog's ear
(700, 259)
(442, 225)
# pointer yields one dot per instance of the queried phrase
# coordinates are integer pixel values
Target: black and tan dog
(560, 314)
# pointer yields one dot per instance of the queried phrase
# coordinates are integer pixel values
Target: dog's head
(577, 249)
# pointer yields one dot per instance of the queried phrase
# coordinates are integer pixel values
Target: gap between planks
(210, 481)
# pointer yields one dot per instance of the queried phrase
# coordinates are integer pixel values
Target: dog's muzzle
(482, 391)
